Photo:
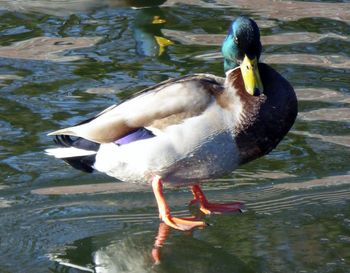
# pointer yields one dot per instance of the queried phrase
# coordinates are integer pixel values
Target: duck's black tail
(79, 152)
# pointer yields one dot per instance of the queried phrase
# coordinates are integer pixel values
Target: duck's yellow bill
(251, 76)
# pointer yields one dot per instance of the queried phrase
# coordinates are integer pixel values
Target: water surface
(61, 61)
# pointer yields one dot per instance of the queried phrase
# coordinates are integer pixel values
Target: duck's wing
(158, 106)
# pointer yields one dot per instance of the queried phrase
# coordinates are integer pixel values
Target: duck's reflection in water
(129, 256)
(172, 251)
(122, 256)
(147, 22)
(148, 36)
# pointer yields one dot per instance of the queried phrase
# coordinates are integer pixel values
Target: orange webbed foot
(183, 223)
(214, 208)
(164, 212)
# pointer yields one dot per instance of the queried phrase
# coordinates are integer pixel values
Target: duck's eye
(236, 40)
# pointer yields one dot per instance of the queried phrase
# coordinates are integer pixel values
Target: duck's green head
(242, 47)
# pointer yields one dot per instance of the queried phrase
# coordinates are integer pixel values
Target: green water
(61, 61)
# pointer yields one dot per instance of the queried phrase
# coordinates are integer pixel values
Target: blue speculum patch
(138, 134)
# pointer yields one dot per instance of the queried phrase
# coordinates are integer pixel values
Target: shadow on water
(61, 61)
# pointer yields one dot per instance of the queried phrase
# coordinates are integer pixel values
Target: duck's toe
(217, 208)
(183, 223)
(213, 208)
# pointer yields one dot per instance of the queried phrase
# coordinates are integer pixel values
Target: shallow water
(63, 60)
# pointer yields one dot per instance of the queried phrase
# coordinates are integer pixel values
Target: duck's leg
(208, 208)
(164, 212)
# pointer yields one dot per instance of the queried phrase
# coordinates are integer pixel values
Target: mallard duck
(189, 130)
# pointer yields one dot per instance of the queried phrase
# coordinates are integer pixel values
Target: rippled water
(63, 60)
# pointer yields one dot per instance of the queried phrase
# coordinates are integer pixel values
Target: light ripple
(47, 48)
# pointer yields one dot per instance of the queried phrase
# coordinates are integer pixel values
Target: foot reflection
(163, 232)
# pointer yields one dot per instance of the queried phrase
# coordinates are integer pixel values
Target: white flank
(68, 152)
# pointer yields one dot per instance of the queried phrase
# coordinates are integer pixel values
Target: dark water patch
(333, 128)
